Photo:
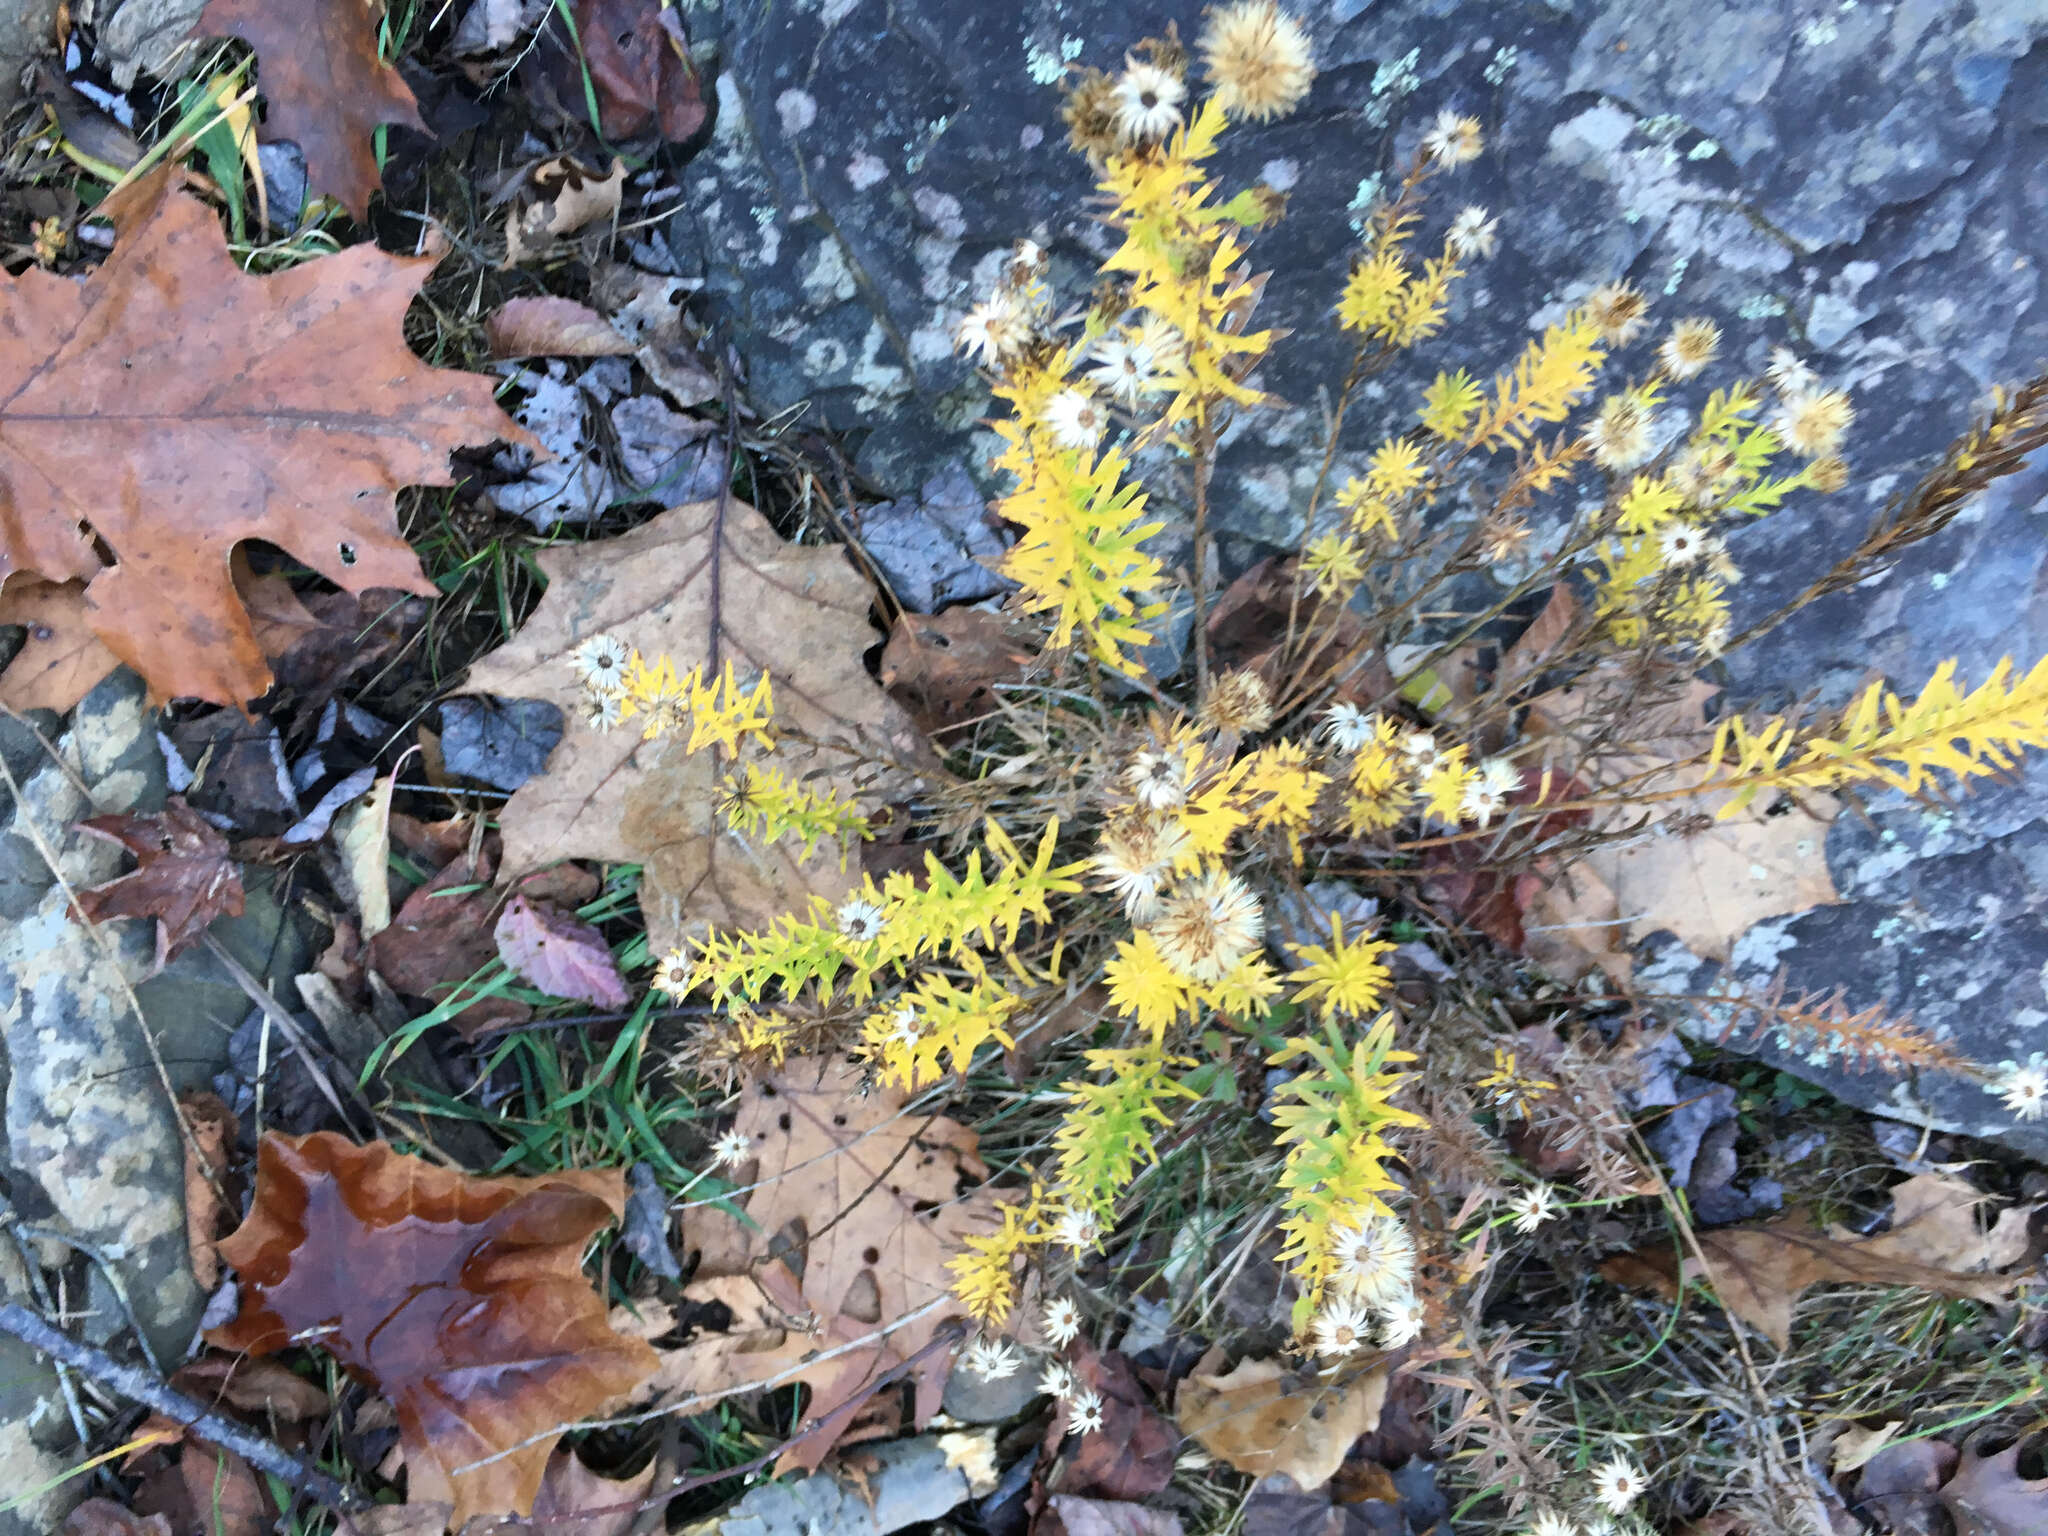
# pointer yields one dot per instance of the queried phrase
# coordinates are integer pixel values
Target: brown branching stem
(1204, 467)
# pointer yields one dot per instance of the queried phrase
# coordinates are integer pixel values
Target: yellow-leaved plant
(1163, 878)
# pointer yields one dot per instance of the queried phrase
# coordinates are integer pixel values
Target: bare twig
(138, 1385)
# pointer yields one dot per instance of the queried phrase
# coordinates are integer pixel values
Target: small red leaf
(560, 954)
(183, 876)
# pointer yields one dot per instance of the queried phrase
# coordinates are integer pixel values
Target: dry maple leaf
(1758, 1272)
(1705, 879)
(461, 1299)
(863, 1200)
(1262, 1417)
(183, 876)
(324, 86)
(707, 582)
(172, 405)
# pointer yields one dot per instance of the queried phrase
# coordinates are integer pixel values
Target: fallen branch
(146, 1389)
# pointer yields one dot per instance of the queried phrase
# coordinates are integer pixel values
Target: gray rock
(90, 1135)
(974, 1399)
(1676, 1139)
(92, 1149)
(911, 1481)
(27, 32)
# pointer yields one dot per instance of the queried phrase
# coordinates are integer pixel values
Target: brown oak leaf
(462, 1299)
(1131, 1456)
(173, 405)
(707, 582)
(866, 1202)
(183, 876)
(1706, 878)
(1758, 1272)
(1988, 1497)
(1263, 1418)
(945, 668)
(324, 86)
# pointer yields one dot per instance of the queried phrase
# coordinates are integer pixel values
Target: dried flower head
(1126, 367)
(601, 664)
(1421, 751)
(1621, 433)
(1703, 473)
(1828, 474)
(1340, 1328)
(1348, 728)
(1061, 1322)
(1158, 777)
(993, 1359)
(1487, 795)
(1056, 1380)
(2023, 1087)
(1207, 926)
(1789, 374)
(1159, 336)
(1618, 311)
(1076, 419)
(1452, 140)
(1402, 1320)
(1147, 103)
(1618, 1483)
(1078, 1230)
(1690, 347)
(903, 1028)
(1472, 234)
(1024, 266)
(601, 711)
(1257, 59)
(1237, 701)
(1090, 115)
(1084, 1412)
(1503, 536)
(732, 1149)
(1136, 857)
(1812, 422)
(1374, 1257)
(996, 329)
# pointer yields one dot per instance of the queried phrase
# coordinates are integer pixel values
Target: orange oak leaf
(462, 1299)
(324, 87)
(172, 405)
(183, 876)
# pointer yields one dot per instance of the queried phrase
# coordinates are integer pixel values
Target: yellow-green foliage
(1882, 738)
